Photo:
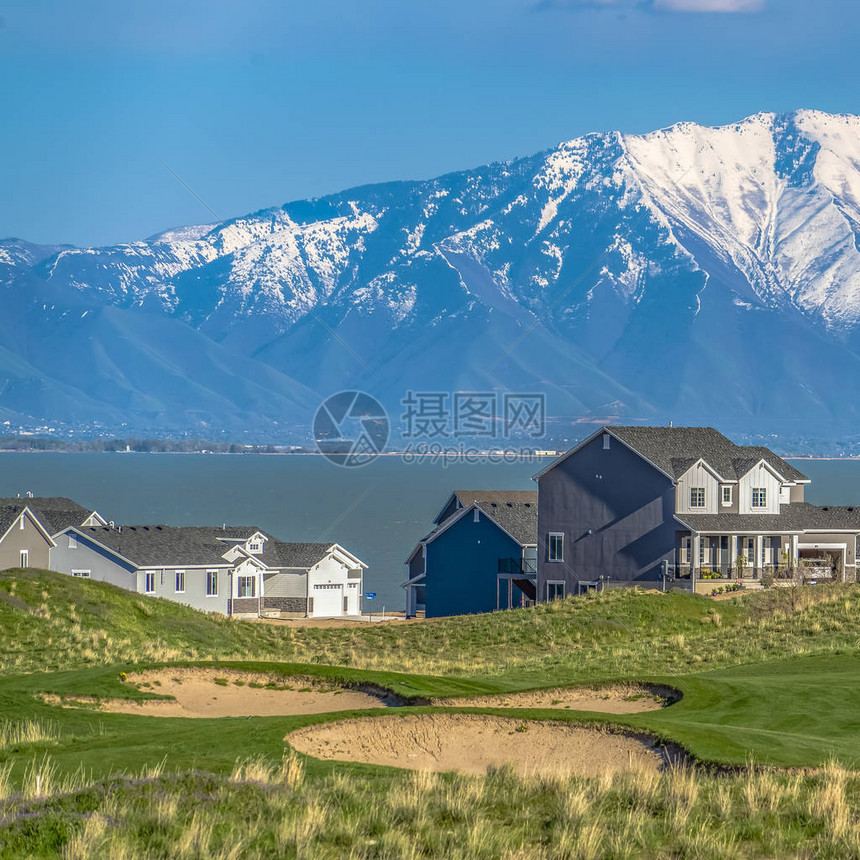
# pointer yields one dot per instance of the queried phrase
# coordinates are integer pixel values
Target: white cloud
(710, 5)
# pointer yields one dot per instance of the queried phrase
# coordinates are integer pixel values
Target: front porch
(753, 557)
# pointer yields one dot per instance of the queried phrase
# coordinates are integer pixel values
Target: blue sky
(253, 104)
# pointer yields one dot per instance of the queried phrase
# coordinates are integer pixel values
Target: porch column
(757, 552)
(795, 550)
(733, 552)
(695, 550)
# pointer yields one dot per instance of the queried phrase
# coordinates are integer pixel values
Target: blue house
(481, 556)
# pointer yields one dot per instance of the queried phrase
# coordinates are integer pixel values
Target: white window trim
(763, 492)
(23, 522)
(549, 544)
(211, 576)
(253, 580)
(24, 558)
(84, 574)
(695, 494)
(146, 579)
(176, 577)
(723, 491)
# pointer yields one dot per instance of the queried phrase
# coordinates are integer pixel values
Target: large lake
(378, 511)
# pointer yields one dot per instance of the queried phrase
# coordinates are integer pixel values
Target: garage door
(328, 600)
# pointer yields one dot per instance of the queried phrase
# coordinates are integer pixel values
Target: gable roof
(163, 546)
(673, 450)
(55, 513)
(299, 554)
(464, 498)
(198, 546)
(514, 511)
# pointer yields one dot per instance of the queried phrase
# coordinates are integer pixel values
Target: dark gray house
(631, 503)
(479, 557)
(234, 570)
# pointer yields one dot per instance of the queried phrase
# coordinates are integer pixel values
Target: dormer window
(697, 497)
(255, 543)
(727, 495)
(759, 497)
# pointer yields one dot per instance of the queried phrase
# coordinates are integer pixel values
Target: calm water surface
(378, 512)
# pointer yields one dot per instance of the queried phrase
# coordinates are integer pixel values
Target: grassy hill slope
(772, 677)
(51, 621)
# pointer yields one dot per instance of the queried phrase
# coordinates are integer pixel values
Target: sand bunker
(226, 693)
(618, 699)
(471, 743)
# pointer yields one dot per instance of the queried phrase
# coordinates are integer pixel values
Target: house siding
(462, 567)
(698, 476)
(286, 584)
(87, 556)
(28, 538)
(758, 477)
(195, 587)
(626, 503)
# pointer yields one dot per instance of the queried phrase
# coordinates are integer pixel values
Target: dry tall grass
(267, 809)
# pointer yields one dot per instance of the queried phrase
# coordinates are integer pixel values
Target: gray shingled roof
(514, 510)
(675, 449)
(796, 517)
(54, 513)
(300, 554)
(174, 546)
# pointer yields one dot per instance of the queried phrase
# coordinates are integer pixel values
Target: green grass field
(770, 707)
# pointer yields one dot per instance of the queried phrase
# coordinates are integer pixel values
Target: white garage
(328, 600)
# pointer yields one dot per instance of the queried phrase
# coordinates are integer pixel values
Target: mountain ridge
(705, 274)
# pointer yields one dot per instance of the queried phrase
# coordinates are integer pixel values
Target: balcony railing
(778, 572)
(518, 566)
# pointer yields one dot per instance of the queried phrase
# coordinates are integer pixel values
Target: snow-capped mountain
(709, 275)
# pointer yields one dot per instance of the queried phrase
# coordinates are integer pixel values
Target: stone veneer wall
(243, 606)
(287, 604)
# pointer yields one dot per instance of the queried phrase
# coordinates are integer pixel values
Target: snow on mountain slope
(643, 276)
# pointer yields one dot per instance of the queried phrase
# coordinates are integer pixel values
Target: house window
(25, 558)
(554, 591)
(697, 497)
(211, 583)
(247, 586)
(149, 585)
(73, 544)
(84, 574)
(180, 581)
(685, 550)
(555, 546)
(759, 497)
(727, 495)
(254, 546)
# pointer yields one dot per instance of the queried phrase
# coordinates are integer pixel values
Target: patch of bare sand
(617, 699)
(471, 743)
(227, 693)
